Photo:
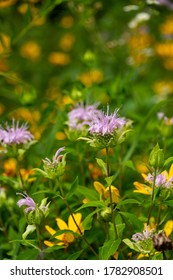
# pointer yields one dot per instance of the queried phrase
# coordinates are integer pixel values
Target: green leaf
(8, 180)
(87, 222)
(129, 163)
(132, 219)
(29, 254)
(120, 229)
(131, 245)
(75, 256)
(73, 187)
(109, 180)
(52, 249)
(168, 161)
(129, 201)
(91, 194)
(98, 204)
(157, 256)
(29, 229)
(169, 202)
(40, 171)
(102, 165)
(108, 249)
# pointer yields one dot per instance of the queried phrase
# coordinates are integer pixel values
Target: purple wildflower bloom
(26, 201)
(82, 116)
(15, 134)
(146, 234)
(167, 121)
(160, 180)
(107, 124)
(56, 158)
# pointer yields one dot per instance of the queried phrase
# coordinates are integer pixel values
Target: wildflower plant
(109, 183)
(16, 138)
(80, 119)
(34, 214)
(54, 168)
(107, 130)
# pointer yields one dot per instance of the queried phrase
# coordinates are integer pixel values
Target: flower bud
(35, 217)
(105, 214)
(156, 158)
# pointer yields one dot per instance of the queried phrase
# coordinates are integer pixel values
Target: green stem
(158, 217)
(40, 243)
(164, 255)
(110, 194)
(71, 213)
(152, 198)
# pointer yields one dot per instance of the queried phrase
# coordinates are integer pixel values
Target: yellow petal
(50, 230)
(99, 187)
(68, 237)
(165, 173)
(61, 224)
(144, 175)
(141, 188)
(49, 243)
(171, 171)
(115, 194)
(60, 237)
(71, 224)
(85, 200)
(168, 228)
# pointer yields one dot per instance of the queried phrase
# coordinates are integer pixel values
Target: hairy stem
(152, 198)
(110, 194)
(71, 213)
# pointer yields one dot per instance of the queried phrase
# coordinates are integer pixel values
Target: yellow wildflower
(168, 174)
(142, 188)
(104, 192)
(91, 77)
(59, 58)
(4, 43)
(60, 135)
(67, 41)
(67, 237)
(163, 87)
(166, 28)
(6, 3)
(145, 189)
(67, 22)
(10, 167)
(23, 8)
(168, 228)
(95, 172)
(30, 50)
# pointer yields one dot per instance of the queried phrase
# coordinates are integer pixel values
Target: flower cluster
(82, 116)
(80, 119)
(146, 234)
(71, 229)
(106, 124)
(167, 121)
(26, 201)
(15, 134)
(107, 130)
(34, 214)
(161, 180)
(54, 168)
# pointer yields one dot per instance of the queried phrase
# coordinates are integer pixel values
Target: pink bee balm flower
(106, 124)
(82, 116)
(15, 134)
(26, 201)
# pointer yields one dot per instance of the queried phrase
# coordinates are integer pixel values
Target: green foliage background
(54, 54)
